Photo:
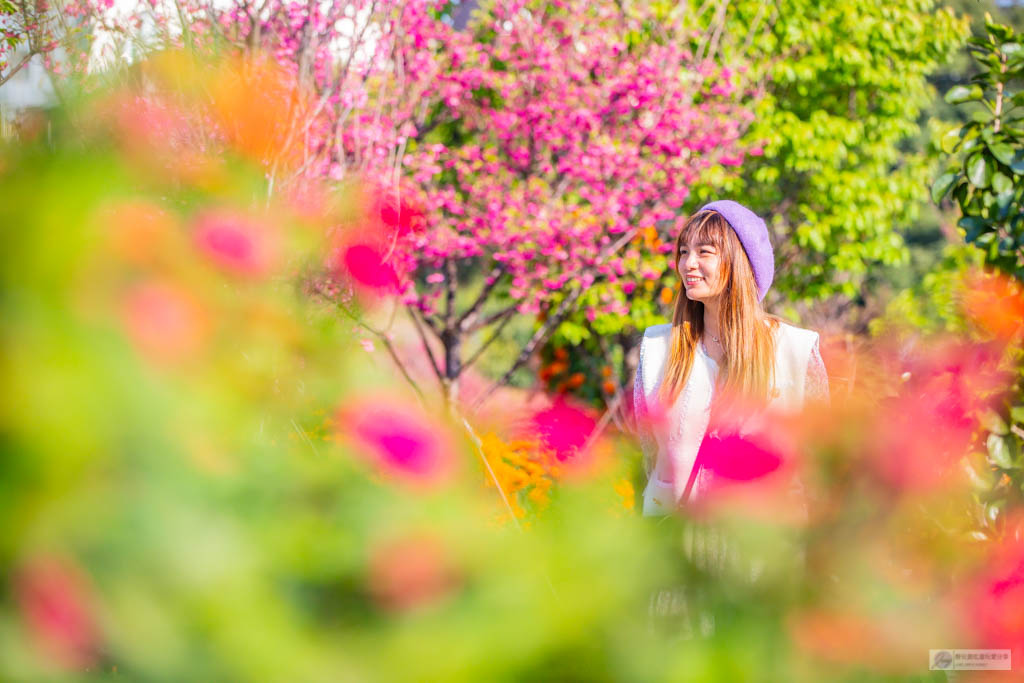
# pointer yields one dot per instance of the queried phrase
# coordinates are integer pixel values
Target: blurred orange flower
(996, 303)
(259, 106)
(624, 487)
(522, 467)
(137, 231)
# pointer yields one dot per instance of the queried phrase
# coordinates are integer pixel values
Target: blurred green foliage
(845, 86)
(186, 492)
(985, 180)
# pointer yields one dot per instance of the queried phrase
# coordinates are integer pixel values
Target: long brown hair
(747, 332)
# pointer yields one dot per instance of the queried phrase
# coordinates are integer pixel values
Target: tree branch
(507, 316)
(492, 318)
(426, 345)
(467, 319)
(21, 64)
(380, 335)
(553, 321)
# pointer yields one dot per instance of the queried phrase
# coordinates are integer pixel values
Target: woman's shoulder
(794, 341)
(654, 346)
(789, 331)
(658, 331)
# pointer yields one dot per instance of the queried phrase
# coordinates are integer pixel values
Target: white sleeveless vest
(687, 420)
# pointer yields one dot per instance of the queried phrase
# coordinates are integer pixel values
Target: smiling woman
(721, 351)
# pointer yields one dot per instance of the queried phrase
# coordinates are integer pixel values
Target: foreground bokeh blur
(207, 475)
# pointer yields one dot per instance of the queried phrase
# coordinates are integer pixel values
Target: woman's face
(700, 267)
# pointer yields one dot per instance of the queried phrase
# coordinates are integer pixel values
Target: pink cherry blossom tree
(518, 158)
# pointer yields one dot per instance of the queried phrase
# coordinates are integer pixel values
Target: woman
(720, 349)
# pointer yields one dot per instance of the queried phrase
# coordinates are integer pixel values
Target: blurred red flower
(398, 439)
(52, 595)
(235, 243)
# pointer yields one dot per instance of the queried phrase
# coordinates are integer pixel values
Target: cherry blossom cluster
(533, 143)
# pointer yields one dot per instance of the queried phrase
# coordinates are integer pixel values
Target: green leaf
(951, 139)
(998, 451)
(1012, 49)
(1017, 165)
(1001, 183)
(977, 171)
(942, 185)
(978, 471)
(1001, 151)
(993, 422)
(1017, 414)
(1000, 32)
(959, 94)
(974, 227)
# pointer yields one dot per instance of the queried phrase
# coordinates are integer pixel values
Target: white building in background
(30, 88)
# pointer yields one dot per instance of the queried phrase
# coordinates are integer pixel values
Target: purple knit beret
(753, 234)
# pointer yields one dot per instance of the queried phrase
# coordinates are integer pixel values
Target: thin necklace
(714, 338)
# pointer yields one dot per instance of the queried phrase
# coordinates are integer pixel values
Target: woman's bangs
(706, 227)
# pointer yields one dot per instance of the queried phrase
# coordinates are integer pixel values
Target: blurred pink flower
(564, 428)
(925, 430)
(410, 572)
(399, 215)
(397, 438)
(52, 595)
(366, 265)
(738, 458)
(994, 598)
(234, 243)
(164, 321)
